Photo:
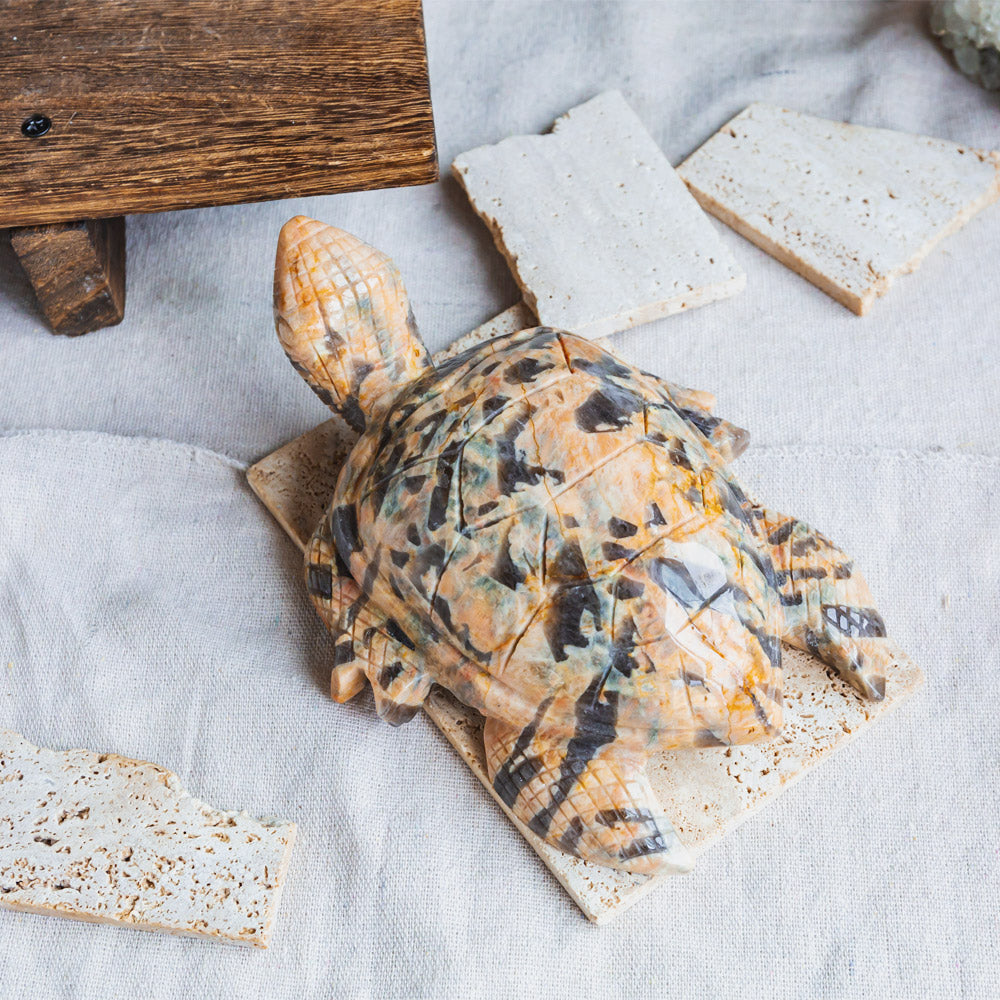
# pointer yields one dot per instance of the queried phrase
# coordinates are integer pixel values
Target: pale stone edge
(258, 476)
(287, 830)
(858, 304)
(519, 316)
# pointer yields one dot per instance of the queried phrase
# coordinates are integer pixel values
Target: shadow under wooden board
(707, 792)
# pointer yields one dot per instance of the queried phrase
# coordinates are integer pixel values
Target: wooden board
(157, 106)
(706, 793)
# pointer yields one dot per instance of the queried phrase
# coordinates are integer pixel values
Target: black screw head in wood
(35, 125)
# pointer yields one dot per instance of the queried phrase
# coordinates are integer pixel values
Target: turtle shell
(558, 536)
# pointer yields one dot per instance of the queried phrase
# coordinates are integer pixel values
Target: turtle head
(344, 320)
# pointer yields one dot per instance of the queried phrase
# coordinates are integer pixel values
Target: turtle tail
(344, 319)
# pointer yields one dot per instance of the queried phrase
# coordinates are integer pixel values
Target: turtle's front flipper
(828, 609)
(594, 802)
(367, 644)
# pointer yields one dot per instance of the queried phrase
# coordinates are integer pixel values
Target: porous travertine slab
(103, 838)
(849, 208)
(598, 230)
(706, 793)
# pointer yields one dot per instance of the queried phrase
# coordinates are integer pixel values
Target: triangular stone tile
(849, 208)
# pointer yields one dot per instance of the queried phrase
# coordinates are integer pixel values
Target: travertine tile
(103, 838)
(849, 208)
(598, 229)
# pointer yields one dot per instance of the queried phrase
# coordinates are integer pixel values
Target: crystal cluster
(971, 29)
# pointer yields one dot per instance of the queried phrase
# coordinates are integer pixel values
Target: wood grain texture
(158, 106)
(77, 270)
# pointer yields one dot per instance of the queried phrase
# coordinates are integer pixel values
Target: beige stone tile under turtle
(103, 838)
(598, 229)
(849, 208)
(706, 793)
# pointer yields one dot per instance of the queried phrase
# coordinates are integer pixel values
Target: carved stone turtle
(556, 538)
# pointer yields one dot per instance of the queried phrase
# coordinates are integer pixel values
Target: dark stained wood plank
(157, 105)
(77, 270)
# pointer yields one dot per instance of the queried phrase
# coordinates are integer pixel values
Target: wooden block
(847, 207)
(77, 270)
(102, 838)
(598, 230)
(706, 793)
(157, 105)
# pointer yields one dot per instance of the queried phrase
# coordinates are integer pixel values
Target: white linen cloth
(150, 607)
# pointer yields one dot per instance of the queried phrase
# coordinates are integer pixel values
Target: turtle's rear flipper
(828, 608)
(696, 408)
(596, 803)
(344, 319)
(367, 644)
